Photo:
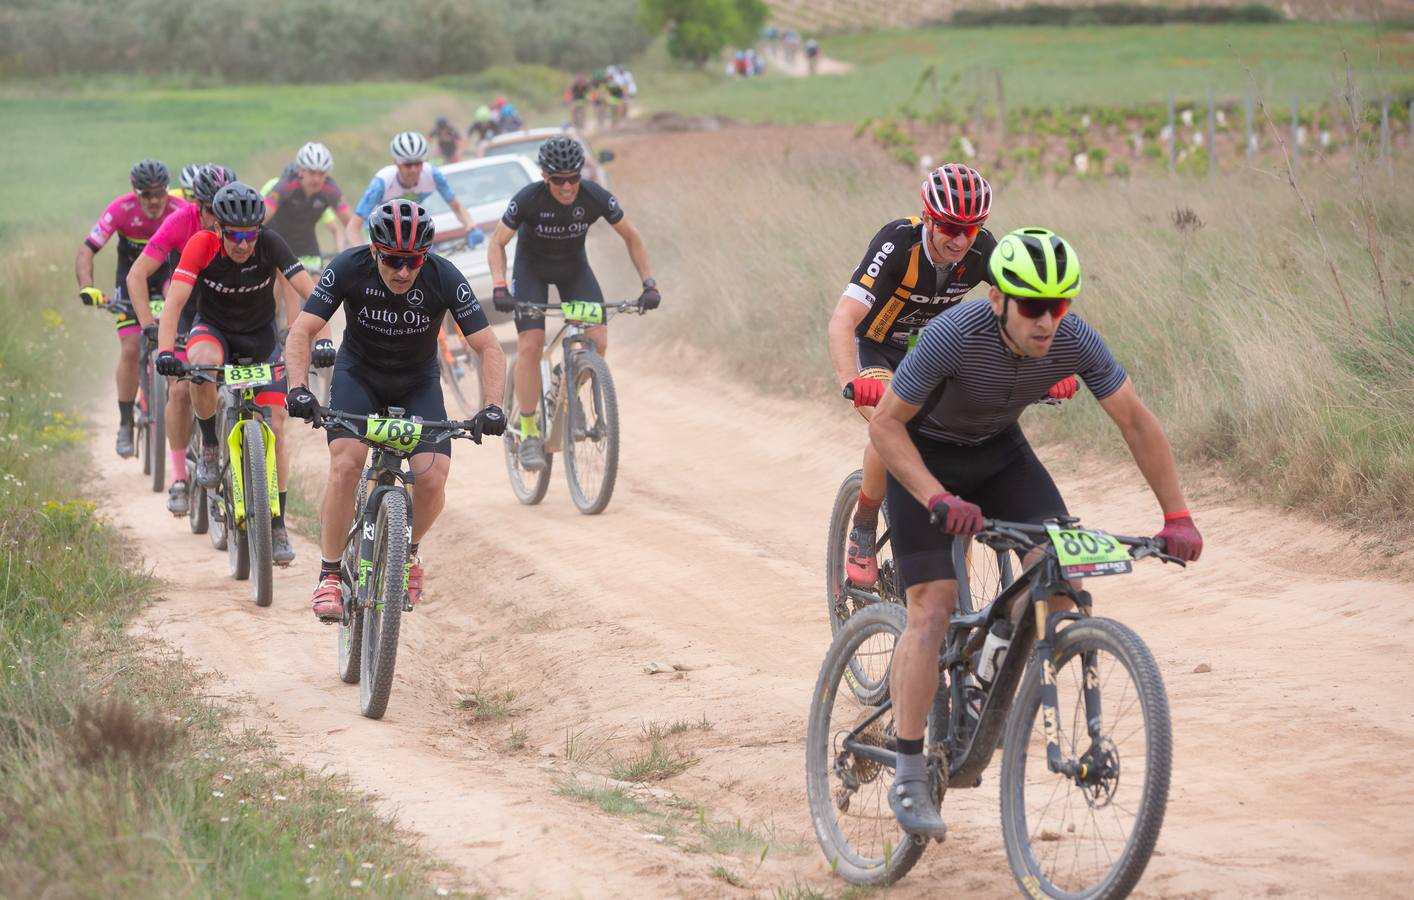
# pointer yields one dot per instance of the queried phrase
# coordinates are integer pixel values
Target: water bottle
(994, 651)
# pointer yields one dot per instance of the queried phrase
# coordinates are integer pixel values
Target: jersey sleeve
(984, 245)
(444, 190)
(170, 234)
(937, 357)
(102, 230)
(371, 197)
(329, 292)
(515, 210)
(1101, 372)
(274, 191)
(196, 255)
(336, 196)
(882, 268)
(461, 300)
(281, 255)
(608, 203)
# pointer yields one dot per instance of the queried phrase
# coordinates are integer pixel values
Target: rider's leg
(346, 460)
(178, 425)
(129, 342)
(527, 371)
(582, 285)
(915, 667)
(429, 492)
(871, 489)
(207, 352)
(282, 447)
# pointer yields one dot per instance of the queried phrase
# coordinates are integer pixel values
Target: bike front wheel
(529, 487)
(382, 619)
(591, 434)
(157, 431)
(848, 793)
(198, 509)
(1089, 835)
(257, 513)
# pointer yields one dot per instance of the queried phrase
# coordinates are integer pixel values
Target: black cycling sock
(866, 514)
(412, 549)
(326, 567)
(208, 431)
(905, 745)
(125, 412)
(280, 519)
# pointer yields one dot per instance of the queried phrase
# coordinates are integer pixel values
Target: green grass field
(1053, 67)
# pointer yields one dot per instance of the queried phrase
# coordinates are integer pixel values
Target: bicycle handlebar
(1023, 532)
(330, 419)
(621, 306)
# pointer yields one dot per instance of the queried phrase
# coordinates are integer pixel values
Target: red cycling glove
(868, 391)
(954, 515)
(1063, 389)
(1181, 537)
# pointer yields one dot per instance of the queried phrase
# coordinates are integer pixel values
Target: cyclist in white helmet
(412, 178)
(302, 197)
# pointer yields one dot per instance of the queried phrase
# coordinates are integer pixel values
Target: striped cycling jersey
(972, 387)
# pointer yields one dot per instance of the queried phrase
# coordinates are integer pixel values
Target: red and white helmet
(957, 194)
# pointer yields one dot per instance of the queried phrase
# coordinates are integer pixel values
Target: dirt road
(1291, 753)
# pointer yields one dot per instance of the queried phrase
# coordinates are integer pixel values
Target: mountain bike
(241, 506)
(461, 369)
(373, 573)
(580, 412)
(1084, 784)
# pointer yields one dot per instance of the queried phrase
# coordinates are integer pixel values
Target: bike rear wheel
(848, 794)
(1088, 837)
(529, 487)
(381, 621)
(257, 514)
(591, 434)
(157, 431)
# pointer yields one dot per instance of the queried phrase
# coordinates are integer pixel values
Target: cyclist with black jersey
(552, 218)
(395, 295)
(303, 198)
(947, 429)
(235, 275)
(914, 269)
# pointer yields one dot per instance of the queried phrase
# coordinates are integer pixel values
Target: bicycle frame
(241, 402)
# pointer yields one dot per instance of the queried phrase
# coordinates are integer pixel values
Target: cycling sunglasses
(415, 164)
(396, 261)
(1035, 307)
(953, 229)
(152, 195)
(563, 179)
(240, 237)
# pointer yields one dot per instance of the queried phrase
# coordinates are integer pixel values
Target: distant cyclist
(188, 178)
(235, 274)
(299, 201)
(395, 294)
(134, 217)
(447, 139)
(411, 178)
(483, 124)
(948, 431)
(169, 240)
(552, 218)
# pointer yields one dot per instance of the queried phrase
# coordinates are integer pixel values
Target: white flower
(217, 794)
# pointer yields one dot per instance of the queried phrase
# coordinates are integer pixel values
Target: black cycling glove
(324, 354)
(301, 404)
(491, 420)
(168, 364)
(502, 300)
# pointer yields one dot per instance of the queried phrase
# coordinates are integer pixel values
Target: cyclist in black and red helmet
(914, 269)
(395, 294)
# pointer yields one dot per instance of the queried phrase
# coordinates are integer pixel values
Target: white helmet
(189, 174)
(314, 157)
(410, 146)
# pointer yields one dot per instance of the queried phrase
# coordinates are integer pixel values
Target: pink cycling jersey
(175, 232)
(124, 216)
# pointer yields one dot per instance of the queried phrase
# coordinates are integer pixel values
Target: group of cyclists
(608, 92)
(223, 258)
(490, 119)
(942, 380)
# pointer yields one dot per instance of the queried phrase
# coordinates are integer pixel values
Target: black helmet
(561, 154)
(401, 226)
(209, 180)
(238, 205)
(149, 174)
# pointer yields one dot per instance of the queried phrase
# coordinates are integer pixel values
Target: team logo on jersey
(327, 279)
(578, 212)
(613, 202)
(463, 294)
(512, 209)
(415, 297)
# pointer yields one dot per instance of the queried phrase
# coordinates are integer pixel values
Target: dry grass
(1234, 331)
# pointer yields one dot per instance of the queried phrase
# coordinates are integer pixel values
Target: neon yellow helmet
(483, 113)
(1035, 262)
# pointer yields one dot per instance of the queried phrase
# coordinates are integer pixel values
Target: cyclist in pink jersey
(169, 239)
(134, 217)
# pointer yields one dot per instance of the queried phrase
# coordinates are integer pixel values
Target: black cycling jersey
(296, 213)
(549, 229)
(387, 331)
(235, 297)
(902, 287)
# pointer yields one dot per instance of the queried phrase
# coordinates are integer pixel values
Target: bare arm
(637, 250)
(1147, 442)
(297, 345)
(177, 296)
(493, 365)
(138, 295)
(304, 284)
(341, 236)
(354, 229)
(462, 215)
(496, 252)
(83, 266)
(889, 435)
(848, 313)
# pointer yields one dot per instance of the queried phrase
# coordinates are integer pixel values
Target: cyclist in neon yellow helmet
(947, 429)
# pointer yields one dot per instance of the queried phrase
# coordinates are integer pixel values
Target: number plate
(1089, 553)
(400, 434)
(583, 311)
(243, 376)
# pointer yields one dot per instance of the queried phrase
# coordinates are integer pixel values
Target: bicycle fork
(1094, 764)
